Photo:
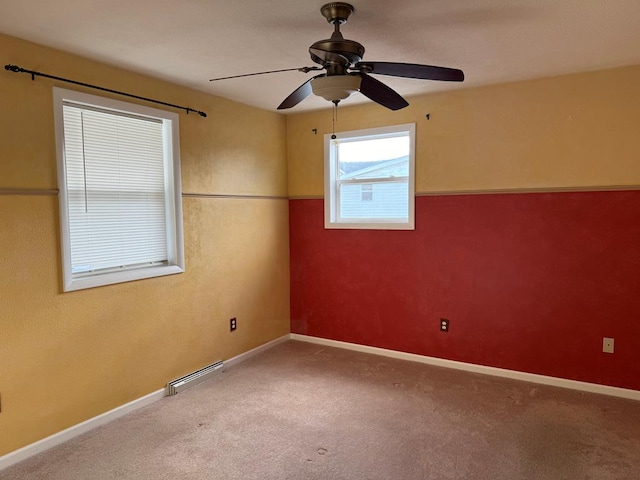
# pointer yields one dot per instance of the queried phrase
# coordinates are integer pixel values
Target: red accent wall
(530, 282)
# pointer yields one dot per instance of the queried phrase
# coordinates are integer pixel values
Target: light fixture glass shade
(335, 87)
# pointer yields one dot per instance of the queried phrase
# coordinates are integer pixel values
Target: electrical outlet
(607, 345)
(444, 325)
(233, 324)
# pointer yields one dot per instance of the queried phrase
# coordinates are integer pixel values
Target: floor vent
(194, 378)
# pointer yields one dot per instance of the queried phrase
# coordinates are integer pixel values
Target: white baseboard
(246, 355)
(469, 367)
(71, 432)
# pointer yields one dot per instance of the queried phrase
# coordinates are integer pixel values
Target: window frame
(331, 183)
(173, 191)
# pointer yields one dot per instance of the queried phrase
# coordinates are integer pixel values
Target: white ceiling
(191, 41)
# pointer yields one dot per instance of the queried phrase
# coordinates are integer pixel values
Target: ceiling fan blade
(329, 57)
(378, 92)
(299, 94)
(301, 69)
(412, 70)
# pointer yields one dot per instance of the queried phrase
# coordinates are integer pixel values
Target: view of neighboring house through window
(119, 182)
(367, 192)
(369, 178)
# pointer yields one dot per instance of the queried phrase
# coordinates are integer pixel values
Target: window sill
(71, 285)
(370, 225)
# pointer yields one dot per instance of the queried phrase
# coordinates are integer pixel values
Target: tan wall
(67, 357)
(563, 132)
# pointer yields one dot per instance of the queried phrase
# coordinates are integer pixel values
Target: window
(369, 178)
(119, 182)
(367, 193)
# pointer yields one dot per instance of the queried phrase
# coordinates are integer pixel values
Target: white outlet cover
(607, 345)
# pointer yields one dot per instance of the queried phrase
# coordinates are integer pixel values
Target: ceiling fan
(346, 73)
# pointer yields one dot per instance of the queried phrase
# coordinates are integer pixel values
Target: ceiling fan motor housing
(337, 14)
(350, 49)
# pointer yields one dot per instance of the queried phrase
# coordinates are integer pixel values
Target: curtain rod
(17, 69)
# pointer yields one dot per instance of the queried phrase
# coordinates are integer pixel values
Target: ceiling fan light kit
(346, 73)
(335, 88)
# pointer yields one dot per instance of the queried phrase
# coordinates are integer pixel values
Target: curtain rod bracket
(17, 69)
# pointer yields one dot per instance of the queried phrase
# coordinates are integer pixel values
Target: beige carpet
(302, 411)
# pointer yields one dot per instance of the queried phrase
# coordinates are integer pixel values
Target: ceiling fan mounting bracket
(337, 12)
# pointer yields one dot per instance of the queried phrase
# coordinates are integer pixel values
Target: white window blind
(120, 212)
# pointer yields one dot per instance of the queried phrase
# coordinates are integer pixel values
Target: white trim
(173, 197)
(76, 430)
(470, 367)
(246, 355)
(65, 435)
(332, 218)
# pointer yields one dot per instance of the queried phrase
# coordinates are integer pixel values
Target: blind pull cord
(17, 69)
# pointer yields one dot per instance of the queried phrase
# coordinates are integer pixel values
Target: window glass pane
(387, 200)
(374, 158)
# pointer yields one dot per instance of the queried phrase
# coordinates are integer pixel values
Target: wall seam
(29, 191)
(505, 191)
(231, 196)
(55, 192)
